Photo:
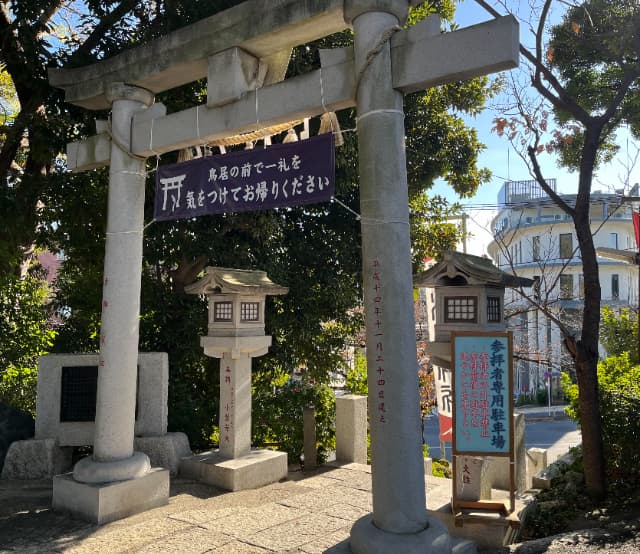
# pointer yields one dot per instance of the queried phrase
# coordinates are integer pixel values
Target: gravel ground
(623, 537)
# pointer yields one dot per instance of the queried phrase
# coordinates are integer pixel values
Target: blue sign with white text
(482, 394)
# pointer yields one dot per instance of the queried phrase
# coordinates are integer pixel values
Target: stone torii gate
(244, 52)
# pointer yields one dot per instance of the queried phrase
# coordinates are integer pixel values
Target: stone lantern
(235, 335)
(469, 296)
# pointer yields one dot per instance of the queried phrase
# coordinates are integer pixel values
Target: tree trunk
(586, 351)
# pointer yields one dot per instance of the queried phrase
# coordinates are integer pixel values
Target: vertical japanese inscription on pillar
(482, 384)
(378, 334)
(226, 426)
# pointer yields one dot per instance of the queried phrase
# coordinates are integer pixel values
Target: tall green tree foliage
(586, 71)
(312, 250)
(619, 332)
(25, 334)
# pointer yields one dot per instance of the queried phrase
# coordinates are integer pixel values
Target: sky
(505, 163)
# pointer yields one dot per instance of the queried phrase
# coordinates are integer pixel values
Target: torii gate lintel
(330, 88)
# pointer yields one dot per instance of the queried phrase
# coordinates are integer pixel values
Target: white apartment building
(534, 238)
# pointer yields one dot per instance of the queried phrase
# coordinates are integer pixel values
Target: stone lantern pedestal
(236, 334)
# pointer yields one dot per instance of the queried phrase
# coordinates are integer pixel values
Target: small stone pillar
(536, 462)
(309, 437)
(235, 335)
(88, 493)
(499, 473)
(472, 482)
(351, 429)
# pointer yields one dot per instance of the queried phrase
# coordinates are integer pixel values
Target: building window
(566, 286)
(222, 311)
(615, 286)
(614, 240)
(566, 245)
(520, 252)
(493, 309)
(249, 311)
(461, 308)
(581, 286)
(535, 248)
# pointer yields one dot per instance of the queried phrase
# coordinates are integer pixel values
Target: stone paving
(309, 512)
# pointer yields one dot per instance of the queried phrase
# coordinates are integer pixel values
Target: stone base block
(366, 538)
(164, 451)
(486, 530)
(256, 469)
(36, 459)
(104, 502)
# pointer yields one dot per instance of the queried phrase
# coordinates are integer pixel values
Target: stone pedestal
(367, 538)
(235, 466)
(104, 502)
(250, 471)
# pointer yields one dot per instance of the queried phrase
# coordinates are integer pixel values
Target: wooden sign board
(482, 382)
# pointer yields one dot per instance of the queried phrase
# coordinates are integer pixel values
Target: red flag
(445, 428)
(636, 227)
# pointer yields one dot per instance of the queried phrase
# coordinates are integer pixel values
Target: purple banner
(278, 176)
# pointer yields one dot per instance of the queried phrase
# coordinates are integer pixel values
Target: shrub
(619, 384)
(278, 417)
(441, 468)
(356, 381)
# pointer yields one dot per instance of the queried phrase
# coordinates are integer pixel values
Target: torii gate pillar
(116, 481)
(399, 521)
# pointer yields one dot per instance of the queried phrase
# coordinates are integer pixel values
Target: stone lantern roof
(457, 268)
(223, 280)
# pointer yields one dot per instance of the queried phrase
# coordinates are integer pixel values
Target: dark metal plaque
(78, 393)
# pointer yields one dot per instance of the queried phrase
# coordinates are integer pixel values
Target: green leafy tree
(25, 334)
(356, 382)
(619, 332)
(315, 250)
(586, 73)
(433, 227)
(619, 387)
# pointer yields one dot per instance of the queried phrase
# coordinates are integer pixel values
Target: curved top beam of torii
(266, 29)
(244, 59)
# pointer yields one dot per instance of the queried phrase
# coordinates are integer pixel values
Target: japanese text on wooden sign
(282, 175)
(482, 393)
